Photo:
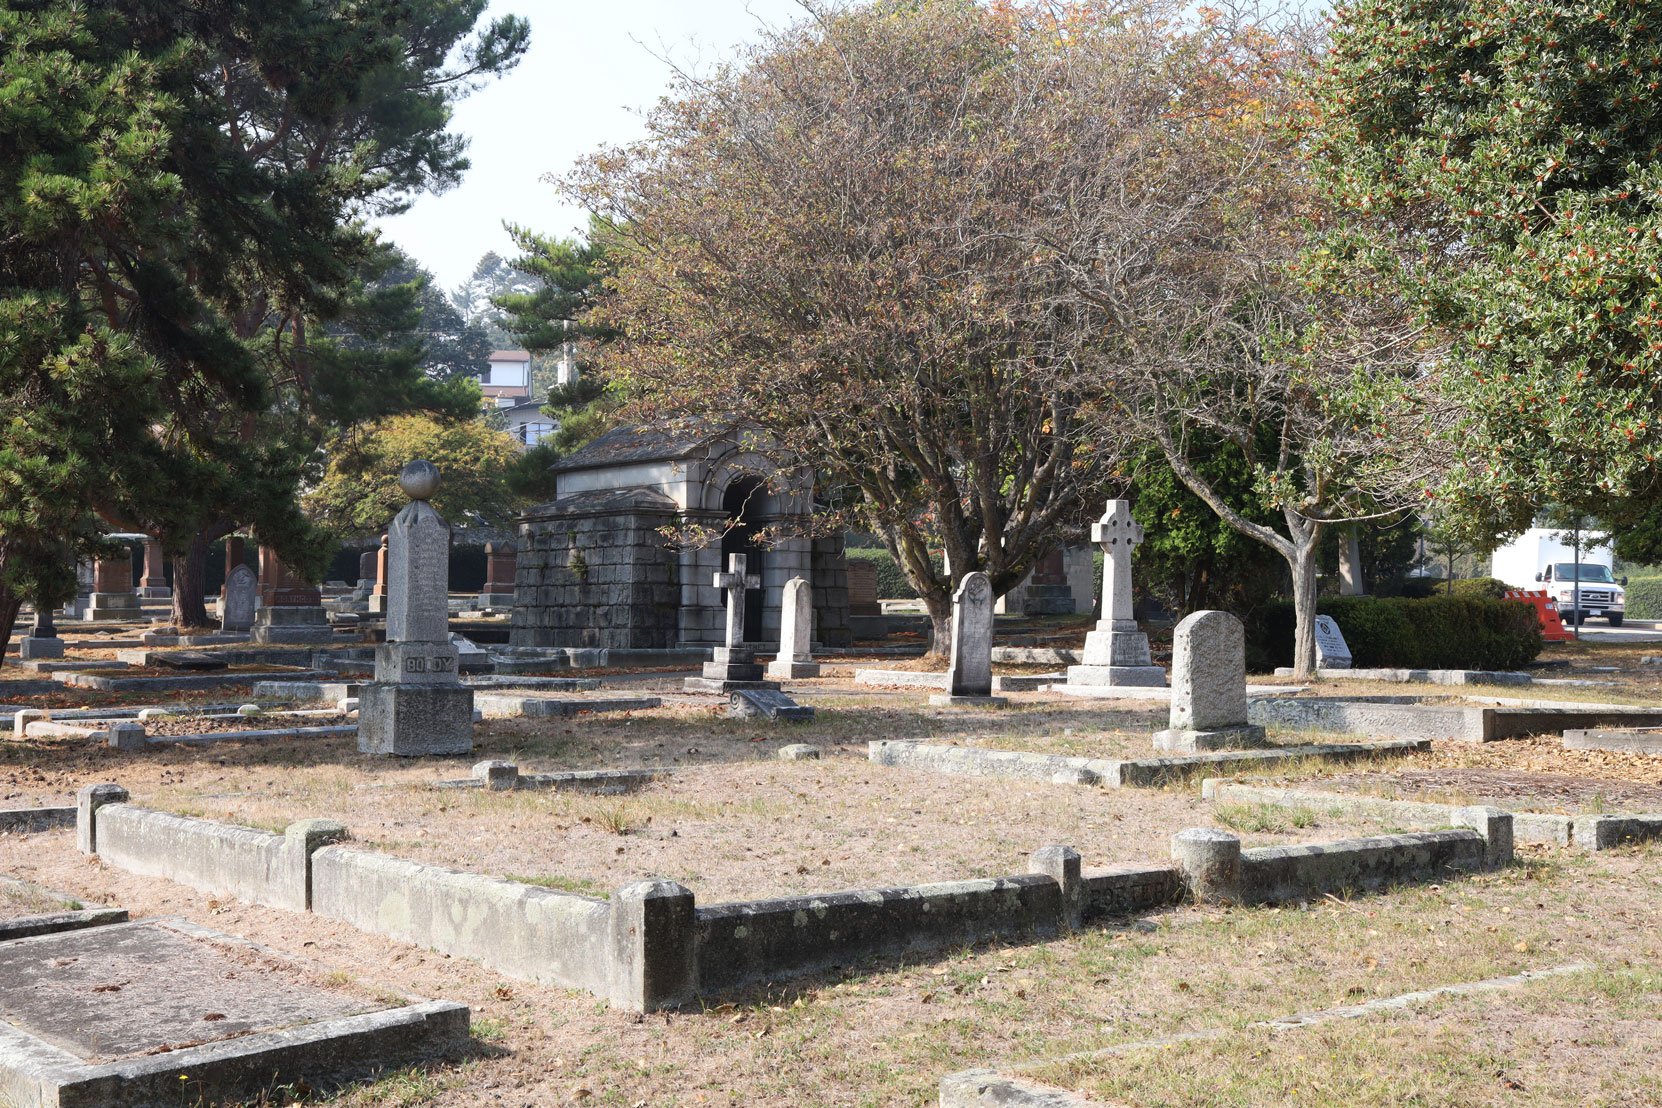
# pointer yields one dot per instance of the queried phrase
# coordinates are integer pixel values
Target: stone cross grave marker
(734, 583)
(416, 704)
(1208, 686)
(241, 586)
(1116, 653)
(1331, 651)
(796, 631)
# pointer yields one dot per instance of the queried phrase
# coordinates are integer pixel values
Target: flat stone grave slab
(1157, 692)
(1471, 719)
(30, 821)
(188, 660)
(27, 909)
(186, 681)
(162, 1012)
(1631, 740)
(68, 665)
(508, 705)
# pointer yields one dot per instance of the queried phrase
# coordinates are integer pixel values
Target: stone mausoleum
(600, 566)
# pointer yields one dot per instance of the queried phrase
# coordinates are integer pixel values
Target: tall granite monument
(1116, 653)
(416, 704)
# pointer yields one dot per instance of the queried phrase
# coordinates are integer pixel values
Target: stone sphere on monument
(419, 479)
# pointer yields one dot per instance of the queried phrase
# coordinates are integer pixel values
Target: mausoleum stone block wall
(595, 571)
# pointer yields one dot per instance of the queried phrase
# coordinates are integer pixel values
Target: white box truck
(1543, 558)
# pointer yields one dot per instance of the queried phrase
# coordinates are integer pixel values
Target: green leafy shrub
(1481, 586)
(1436, 632)
(891, 583)
(1644, 598)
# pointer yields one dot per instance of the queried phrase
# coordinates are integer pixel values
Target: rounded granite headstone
(419, 480)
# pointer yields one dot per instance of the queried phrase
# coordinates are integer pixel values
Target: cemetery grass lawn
(883, 1034)
(1588, 1038)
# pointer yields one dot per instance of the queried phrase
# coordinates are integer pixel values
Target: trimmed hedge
(1644, 598)
(1437, 632)
(891, 583)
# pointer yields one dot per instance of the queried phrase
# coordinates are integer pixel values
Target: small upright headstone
(1331, 651)
(240, 590)
(1116, 653)
(501, 565)
(416, 704)
(367, 566)
(42, 641)
(796, 631)
(733, 666)
(970, 671)
(1208, 686)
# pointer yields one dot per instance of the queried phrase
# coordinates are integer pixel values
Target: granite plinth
(30, 648)
(788, 670)
(1131, 676)
(724, 686)
(307, 624)
(1193, 742)
(415, 720)
(416, 663)
(112, 605)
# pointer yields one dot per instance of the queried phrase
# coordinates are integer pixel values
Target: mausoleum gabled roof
(650, 443)
(605, 502)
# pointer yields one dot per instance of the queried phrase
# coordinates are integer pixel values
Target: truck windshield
(1565, 571)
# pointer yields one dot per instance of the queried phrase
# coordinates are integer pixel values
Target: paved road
(1632, 631)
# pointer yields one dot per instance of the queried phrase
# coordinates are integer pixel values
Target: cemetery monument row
(416, 704)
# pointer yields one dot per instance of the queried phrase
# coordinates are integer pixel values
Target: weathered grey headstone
(1331, 651)
(1208, 686)
(732, 666)
(416, 704)
(1116, 653)
(796, 632)
(970, 670)
(241, 586)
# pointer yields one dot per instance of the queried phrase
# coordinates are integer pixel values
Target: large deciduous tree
(830, 239)
(1497, 162)
(1179, 221)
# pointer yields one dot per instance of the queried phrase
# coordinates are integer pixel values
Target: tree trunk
(1304, 606)
(940, 621)
(10, 603)
(190, 571)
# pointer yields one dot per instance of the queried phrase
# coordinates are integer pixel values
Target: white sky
(589, 72)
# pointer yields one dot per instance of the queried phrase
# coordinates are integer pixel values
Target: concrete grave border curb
(651, 946)
(1021, 765)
